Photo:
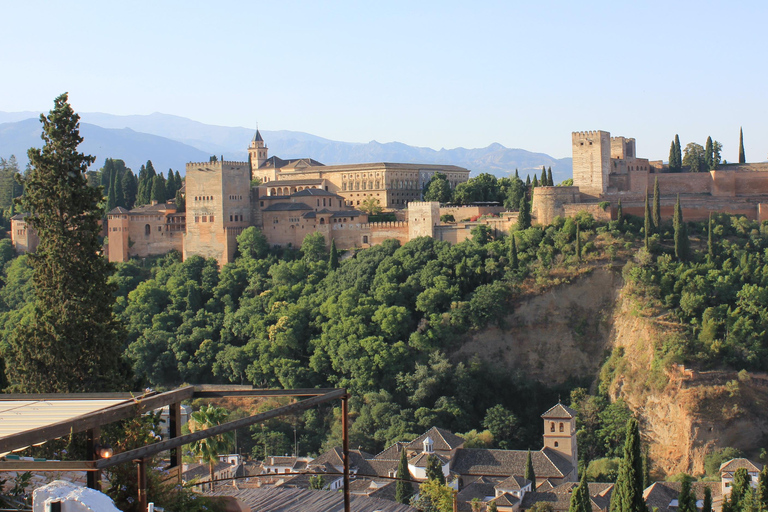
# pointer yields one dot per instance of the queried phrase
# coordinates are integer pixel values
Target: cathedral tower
(560, 432)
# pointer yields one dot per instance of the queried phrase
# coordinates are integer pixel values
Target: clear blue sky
(437, 74)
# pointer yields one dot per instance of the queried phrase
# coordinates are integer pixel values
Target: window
(552, 427)
(210, 219)
(146, 230)
(561, 427)
(365, 239)
(556, 445)
(159, 228)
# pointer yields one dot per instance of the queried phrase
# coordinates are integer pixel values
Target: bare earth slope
(569, 330)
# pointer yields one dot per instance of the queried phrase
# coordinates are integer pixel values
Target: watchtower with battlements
(591, 162)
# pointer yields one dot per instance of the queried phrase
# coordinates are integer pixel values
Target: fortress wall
(570, 210)
(696, 209)
(467, 212)
(639, 181)
(548, 202)
(380, 231)
(422, 218)
(750, 183)
(682, 183)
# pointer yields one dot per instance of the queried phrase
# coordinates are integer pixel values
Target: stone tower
(560, 432)
(257, 151)
(591, 162)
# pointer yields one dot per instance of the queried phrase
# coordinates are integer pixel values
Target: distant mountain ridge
(172, 141)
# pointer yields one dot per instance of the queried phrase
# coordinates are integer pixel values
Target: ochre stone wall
(467, 212)
(380, 231)
(591, 161)
(548, 202)
(24, 239)
(422, 218)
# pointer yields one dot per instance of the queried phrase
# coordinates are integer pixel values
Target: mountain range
(171, 141)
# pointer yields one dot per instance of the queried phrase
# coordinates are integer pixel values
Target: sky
(426, 73)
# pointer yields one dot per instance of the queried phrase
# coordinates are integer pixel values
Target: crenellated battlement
(218, 165)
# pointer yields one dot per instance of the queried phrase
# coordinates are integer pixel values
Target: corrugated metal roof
(18, 416)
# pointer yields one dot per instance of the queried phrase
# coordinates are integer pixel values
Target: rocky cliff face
(568, 332)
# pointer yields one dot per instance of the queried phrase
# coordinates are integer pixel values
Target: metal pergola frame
(91, 423)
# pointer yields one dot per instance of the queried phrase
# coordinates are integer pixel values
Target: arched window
(556, 444)
(552, 427)
(146, 230)
(562, 429)
(322, 220)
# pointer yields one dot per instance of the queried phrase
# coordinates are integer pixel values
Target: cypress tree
(578, 241)
(528, 181)
(681, 233)
(762, 490)
(524, 215)
(180, 202)
(686, 501)
(742, 157)
(71, 341)
(141, 183)
(549, 177)
(535, 181)
(434, 469)
(708, 154)
(678, 154)
(130, 187)
(672, 154)
(710, 241)
(619, 214)
(111, 202)
(403, 488)
(106, 174)
(514, 263)
(740, 488)
(543, 181)
(170, 185)
(158, 189)
(580, 499)
(647, 223)
(333, 259)
(517, 175)
(529, 474)
(707, 505)
(656, 205)
(628, 491)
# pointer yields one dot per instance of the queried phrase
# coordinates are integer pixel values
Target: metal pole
(345, 448)
(93, 478)
(142, 469)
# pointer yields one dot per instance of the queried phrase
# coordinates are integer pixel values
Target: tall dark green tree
(524, 215)
(403, 487)
(742, 157)
(619, 213)
(158, 189)
(434, 469)
(578, 241)
(333, 258)
(628, 491)
(110, 190)
(514, 262)
(117, 188)
(170, 185)
(706, 506)
(708, 158)
(130, 188)
(740, 489)
(761, 495)
(535, 181)
(544, 181)
(686, 500)
(530, 475)
(580, 500)
(647, 223)
(71, 341)
(528, 181)
(550, 182)
(681, 233)
(678, 154)
(656, 205)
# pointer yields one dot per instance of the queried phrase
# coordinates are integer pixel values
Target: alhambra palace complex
(302, 196)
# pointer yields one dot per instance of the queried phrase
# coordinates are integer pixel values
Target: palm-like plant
(209, 448)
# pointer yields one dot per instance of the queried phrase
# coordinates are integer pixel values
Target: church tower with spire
(257, 151)
(560, 432)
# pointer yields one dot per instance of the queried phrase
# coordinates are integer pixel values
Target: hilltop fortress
(607, 169)
(301, 196)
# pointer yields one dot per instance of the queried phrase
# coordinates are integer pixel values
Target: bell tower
(257, 151)
(560, 432)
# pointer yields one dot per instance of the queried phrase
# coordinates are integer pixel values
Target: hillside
(171, 141)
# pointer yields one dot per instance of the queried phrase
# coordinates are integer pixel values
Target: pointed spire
(257, 137)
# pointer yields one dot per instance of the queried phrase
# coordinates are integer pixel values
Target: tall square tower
(591, 162)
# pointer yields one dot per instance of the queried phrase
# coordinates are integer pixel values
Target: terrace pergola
(33, 419)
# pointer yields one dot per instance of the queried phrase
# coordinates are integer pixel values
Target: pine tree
(529, 474)
(686, 501)
(619, 214)
(434, 469)
(549, 177)
(656, 205)
(647, 223)
(403, 488)
(708, 156)
(628, 491)
(333, 259)
(578, 241)
(514, 263)
(524, 215)
(742, 157)
(71, 341)
(707, 505)
(681, 233)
